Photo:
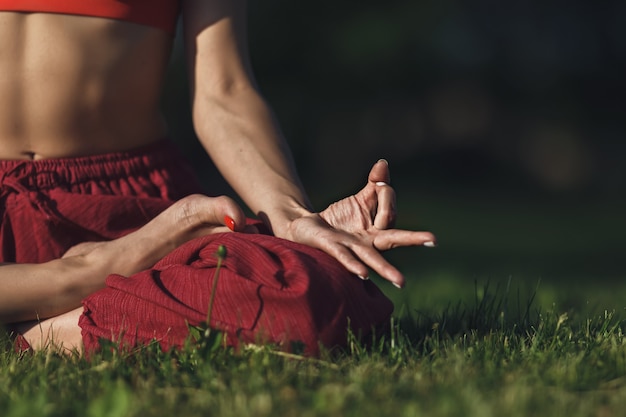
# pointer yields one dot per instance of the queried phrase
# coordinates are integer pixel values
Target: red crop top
(161, 14)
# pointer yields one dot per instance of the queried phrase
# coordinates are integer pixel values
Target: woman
(83, 160)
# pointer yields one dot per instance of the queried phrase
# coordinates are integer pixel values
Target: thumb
(200, 211)
(228, 213)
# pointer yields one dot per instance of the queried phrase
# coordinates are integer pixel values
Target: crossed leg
(61, 332)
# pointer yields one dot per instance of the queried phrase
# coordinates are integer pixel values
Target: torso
(75, 85)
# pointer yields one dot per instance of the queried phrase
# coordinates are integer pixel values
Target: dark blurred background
(504, 124)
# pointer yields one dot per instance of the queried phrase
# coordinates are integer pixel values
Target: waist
(48, 142)
(50, 173)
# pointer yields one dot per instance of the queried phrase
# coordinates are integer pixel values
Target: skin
(83, 269)
(60, 99)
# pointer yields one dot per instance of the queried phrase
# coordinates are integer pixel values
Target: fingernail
(383, 160)
(395, 284)
(381, 183)
(430, 244)
(229, 222)
(363, 278)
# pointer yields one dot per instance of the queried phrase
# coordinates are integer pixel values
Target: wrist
(124, 256)
(78, 276)
(281, 219)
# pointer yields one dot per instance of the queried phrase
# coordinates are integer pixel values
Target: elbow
(223, 103)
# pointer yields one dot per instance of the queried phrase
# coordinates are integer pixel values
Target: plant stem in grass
(221, 255)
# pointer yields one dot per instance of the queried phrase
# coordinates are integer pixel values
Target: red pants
(49, 205)
(268, 290)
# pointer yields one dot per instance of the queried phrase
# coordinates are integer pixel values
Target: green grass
(491, 349)
(518, 312)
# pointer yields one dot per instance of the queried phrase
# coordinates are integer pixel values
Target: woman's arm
(33, 291)
(240, 133)
(232, 120)
(39, 291)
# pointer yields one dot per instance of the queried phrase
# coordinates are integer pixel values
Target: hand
(355, 229)
(190, 217)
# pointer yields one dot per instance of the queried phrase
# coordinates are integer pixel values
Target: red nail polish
(229, 222)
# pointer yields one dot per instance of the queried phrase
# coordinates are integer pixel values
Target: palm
(354, 215)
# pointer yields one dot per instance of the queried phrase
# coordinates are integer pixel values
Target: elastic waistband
(49, 173)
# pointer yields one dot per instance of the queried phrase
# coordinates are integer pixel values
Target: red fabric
(161, 14)
(20, 344)
(268, 290)
(49, 205)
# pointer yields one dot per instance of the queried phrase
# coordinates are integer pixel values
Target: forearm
(38, 291)
(242, 137)
(232, 120)
(32, 291)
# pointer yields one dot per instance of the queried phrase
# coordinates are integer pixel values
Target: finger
(210, 229)
(347, 258)
(199, 211)
(393, 238)
(229, 222)
(386, 208)
(227, 212)
(372, 258)
(380, 172)
(378, 197)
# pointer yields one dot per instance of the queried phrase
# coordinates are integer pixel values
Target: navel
(30, 155)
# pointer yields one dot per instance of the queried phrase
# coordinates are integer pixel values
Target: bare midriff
(76, 86)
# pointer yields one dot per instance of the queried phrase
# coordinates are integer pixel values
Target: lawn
(515, 327)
